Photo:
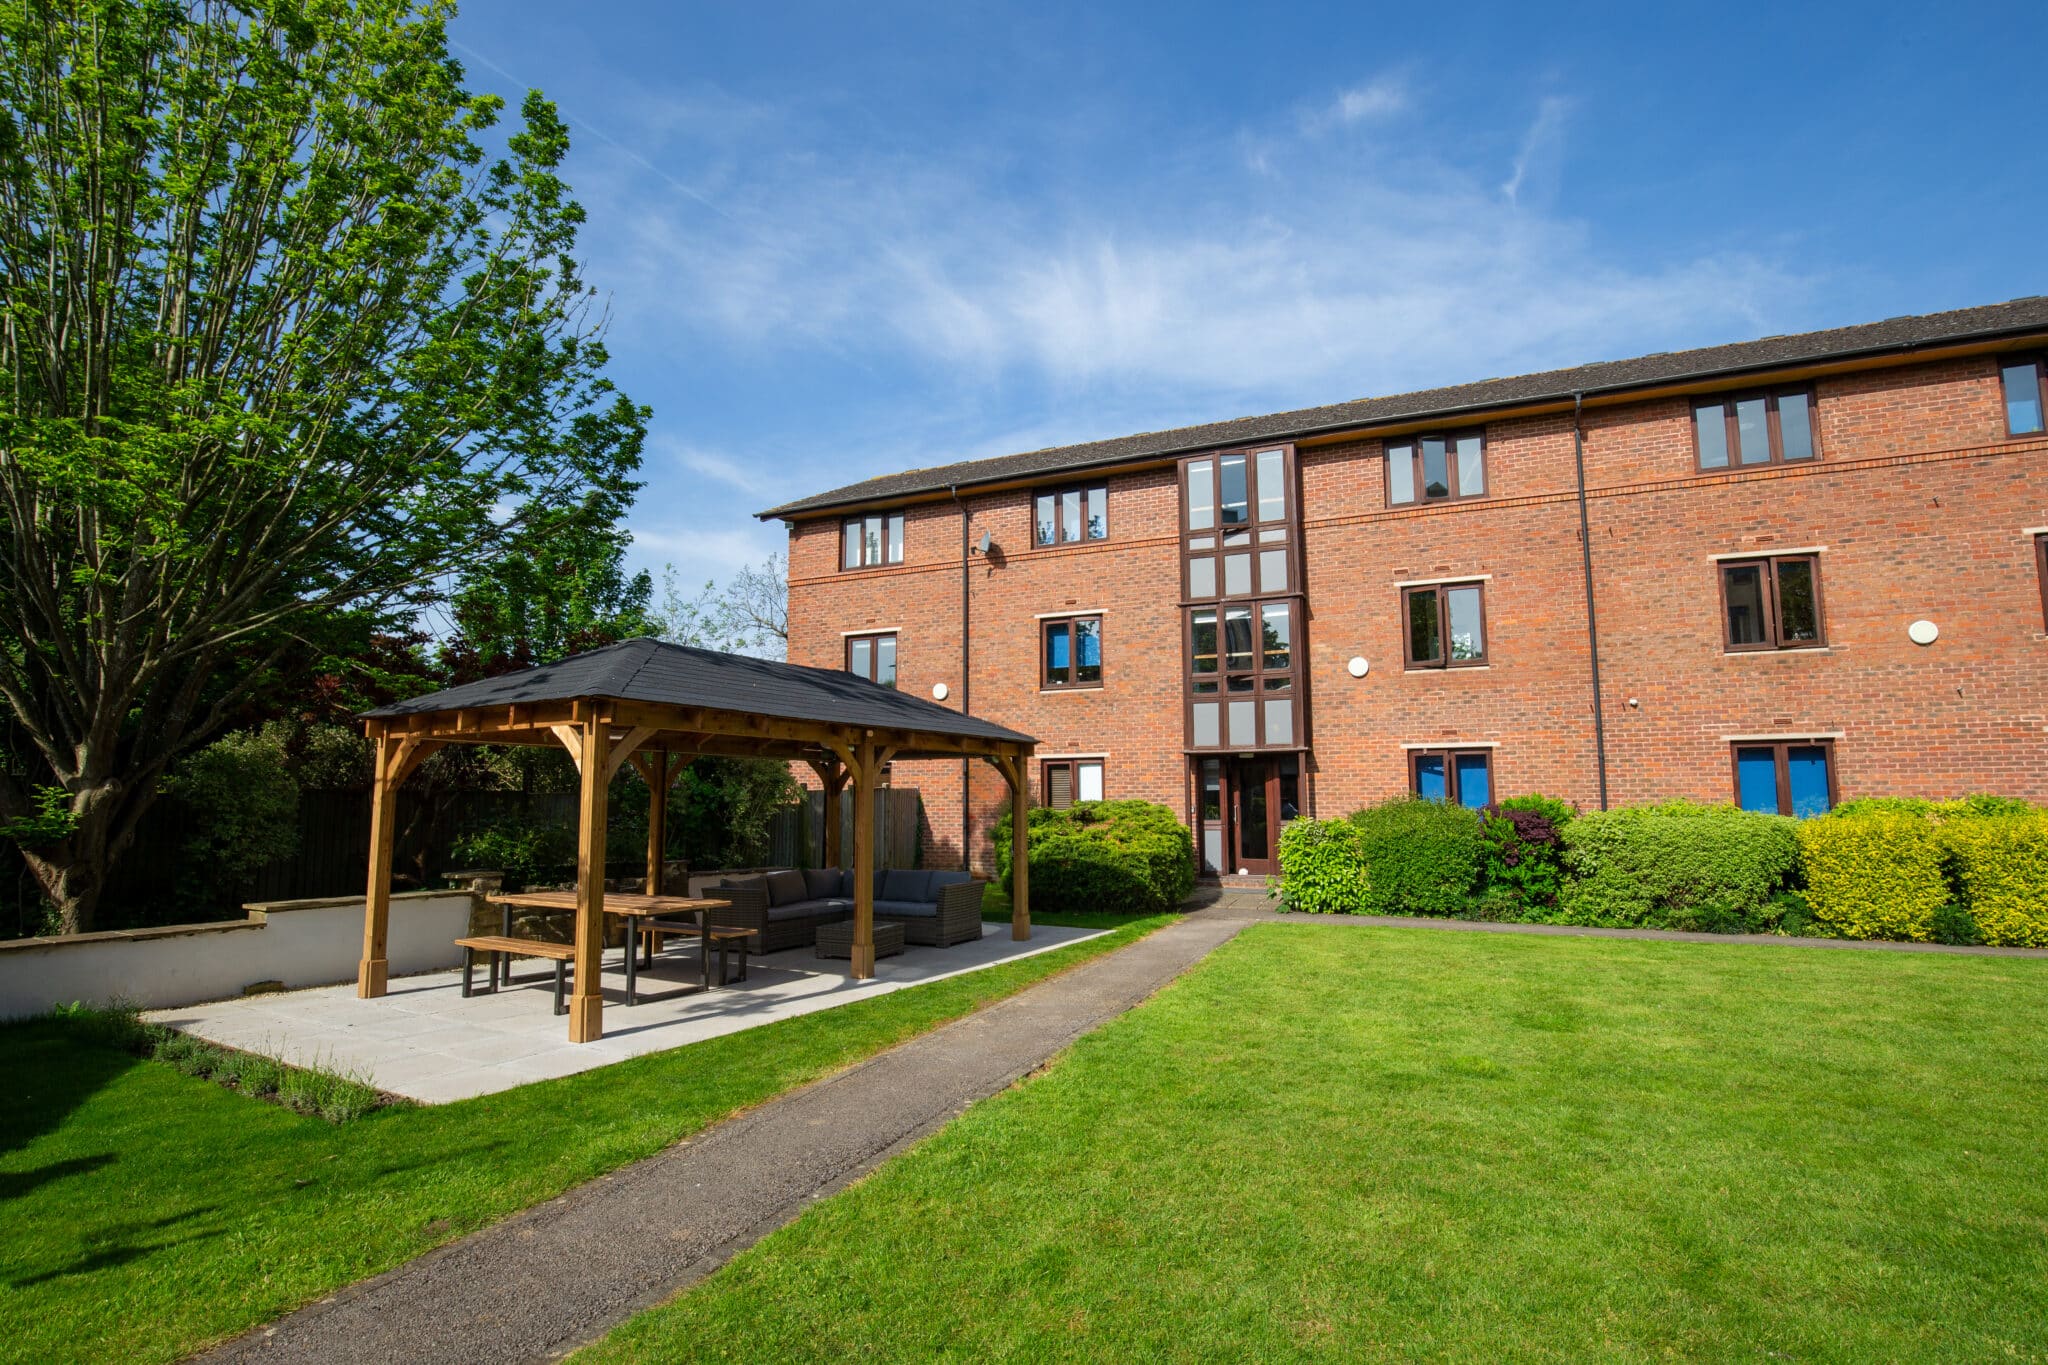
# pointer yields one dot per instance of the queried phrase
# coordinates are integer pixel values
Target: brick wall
(1918, 499)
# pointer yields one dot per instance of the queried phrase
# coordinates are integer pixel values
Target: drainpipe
(966, 685)
(1592, 616)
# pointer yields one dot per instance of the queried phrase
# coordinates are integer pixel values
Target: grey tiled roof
(656, 671)
(1894, 334)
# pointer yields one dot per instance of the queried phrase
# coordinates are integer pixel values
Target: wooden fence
(797, 838)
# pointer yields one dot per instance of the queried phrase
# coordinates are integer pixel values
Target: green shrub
(1981, 803)
(1675, 866)
(1124, 857)
(2000, 866)
(514, 847)
(1522, 854)
(1322, 868)
(1421, 857)
(1873, 871)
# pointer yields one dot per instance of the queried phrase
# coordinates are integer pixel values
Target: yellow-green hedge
(2000, 864)
(1873, 873)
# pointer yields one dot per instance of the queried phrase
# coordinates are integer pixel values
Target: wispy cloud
(1539, 164)
(1376, 98)
(749, 477)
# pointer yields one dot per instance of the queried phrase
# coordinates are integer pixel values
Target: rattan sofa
(785, 907)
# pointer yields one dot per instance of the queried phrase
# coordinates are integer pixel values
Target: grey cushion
(823, 908)
(820, 882)
(786, 888)
(940, 879)
(906, 884)
(746, 883)
(908, 909)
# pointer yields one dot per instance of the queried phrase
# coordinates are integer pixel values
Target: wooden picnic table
(635, 906)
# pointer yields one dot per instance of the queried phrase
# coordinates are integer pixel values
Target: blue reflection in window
(1756, 779)
(1475, 781)
(1091, 645)
(1429, 777)
(1807, 765)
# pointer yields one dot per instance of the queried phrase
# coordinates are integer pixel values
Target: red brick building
(1784, 572)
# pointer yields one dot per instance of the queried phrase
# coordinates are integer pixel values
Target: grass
(145, 1212)
(1386, 1144)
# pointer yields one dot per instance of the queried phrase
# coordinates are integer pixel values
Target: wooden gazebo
(651, 704)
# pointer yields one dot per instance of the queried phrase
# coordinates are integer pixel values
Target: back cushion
(905, 884)
(746, 883)
(940, 879)
(821, 882)
(786, 888)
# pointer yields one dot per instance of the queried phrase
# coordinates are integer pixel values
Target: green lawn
(1346, 1144)
(144, 1213)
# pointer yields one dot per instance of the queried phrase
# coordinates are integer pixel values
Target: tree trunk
(72, 872)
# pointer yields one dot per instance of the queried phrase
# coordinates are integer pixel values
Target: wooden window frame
(1450, 754)
(1443, 616)
(1773, 623)
(1073, 767)
(2040, 364)
(897, 520)
(1732, 433)
(1780, 748)
(1084, 489)
(846, 647)
(1290, 517)
(2041, 569)
(1414, 444)
(1045, 679)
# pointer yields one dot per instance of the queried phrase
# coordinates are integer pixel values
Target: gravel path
(555, 1277)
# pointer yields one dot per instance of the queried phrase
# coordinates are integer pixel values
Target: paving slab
(425, 1041)
(640, 1234)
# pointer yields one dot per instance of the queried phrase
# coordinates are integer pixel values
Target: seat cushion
(821, 882)
(906, 884)
(908, 909)
(786, 888)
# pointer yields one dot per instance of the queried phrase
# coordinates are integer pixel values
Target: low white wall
(301, 943)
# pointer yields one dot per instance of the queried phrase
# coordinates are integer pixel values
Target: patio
(425, 1041)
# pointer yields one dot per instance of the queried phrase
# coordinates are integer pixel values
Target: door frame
(1232, 770)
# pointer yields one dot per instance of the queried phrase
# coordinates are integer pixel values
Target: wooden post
(835, 783)
(656, 773)
(375, 969)
(1020, 851)
(586, 1004)
(864, 775)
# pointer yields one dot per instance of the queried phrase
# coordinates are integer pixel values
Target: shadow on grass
(125, 1242)
(14, 1184)
(45, 1075)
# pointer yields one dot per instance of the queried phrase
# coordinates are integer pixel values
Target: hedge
(1123, 857)
(1676, 866)
(1874, 871)
(2000, 866)
(1322, 868)
(1420, 857)
(1522, 852)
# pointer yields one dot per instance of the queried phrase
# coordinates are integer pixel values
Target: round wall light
(1358, 666)
(939, 691)
(1923, 632)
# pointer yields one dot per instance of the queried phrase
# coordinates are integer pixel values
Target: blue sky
(842, 240)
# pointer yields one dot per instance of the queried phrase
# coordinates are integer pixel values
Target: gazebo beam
(865, 771)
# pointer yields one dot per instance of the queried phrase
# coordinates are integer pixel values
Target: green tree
(559, 594)
(284, 346)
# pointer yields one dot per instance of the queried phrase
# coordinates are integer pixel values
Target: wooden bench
(501, 947)
(652, 931)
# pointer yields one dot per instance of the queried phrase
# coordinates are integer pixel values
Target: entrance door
(1243, 802)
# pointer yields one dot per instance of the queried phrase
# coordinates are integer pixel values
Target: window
(1226, 490)
(2041, 568)
(2025, 380)
(1785, 777)
(1446, 625)
(1759, 428)
(1067, 780)
(872, 657)
(1073, 652)
(872, 541)
(1462, 776)
(1070, 514)
(1242, 662)
(1436, 468)
(1771, 603)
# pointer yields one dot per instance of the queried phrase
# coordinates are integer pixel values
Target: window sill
(1453, 668)
(1063, 691)
(1774, 653)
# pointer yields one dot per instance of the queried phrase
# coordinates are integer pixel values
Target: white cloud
(1539, 164)
(729, 470)
(1376, 98)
